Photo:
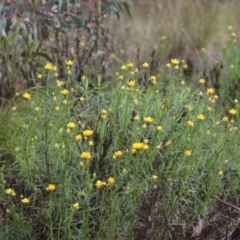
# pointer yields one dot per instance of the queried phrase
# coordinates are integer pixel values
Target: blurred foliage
(33, 33)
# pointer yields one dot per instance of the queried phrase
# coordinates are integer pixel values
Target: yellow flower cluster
(100, 184)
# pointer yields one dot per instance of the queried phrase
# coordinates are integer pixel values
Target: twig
(220, 200)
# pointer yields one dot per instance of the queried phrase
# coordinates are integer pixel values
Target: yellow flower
(117, 154)
(90, 143)
(153, 78)
(69, 63)
(145, 65)
(10, 191)
(111, 180)
(60, 83)
(81, 164)
(225, 119)
(202, 81)
(64, 92)
(138, 146)
(37, 109)
(86, 155)
(99, 184)
(123, 67)
(25, 200)
(71, 125)
(190, 123)
(188, 152)
(56, 145)
(54, 68)
(168, 143)
(78, 137)
(220, 173)
(200, 117)
(146, 147)
(48, 66)
(159, 128)
(88, 133)
(51, 187)
(26, 96)
(57, 108)
(188, 107)
(39, 76)
(148, 119)
(175, 61)
(210, 90)
(131, 83)
(136, 118)
(76, 206)
(168, 65)
(154, 177)
(130, 65)
(14, 108)
(232, 111)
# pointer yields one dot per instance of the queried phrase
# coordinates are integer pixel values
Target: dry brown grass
(188, 25)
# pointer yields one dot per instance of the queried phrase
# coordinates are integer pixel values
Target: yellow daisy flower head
(190, 123)
(131, 83)
(48, 66)
(26, 96)
(10, 191)
(200, 117)
(25, 200)
(111, 180)
(86, 155)
(188, 152)
(210, 90)
(137, 146)
(76, 206)
(99, 184)
(64, 92)
(175, 61)
(69, 63)
(130, 65)
(233, 111)
(51, 187)
(78, 137)
(71, 125)
(117, 154)
(88, 133)
(145, 65)
(148, 119)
